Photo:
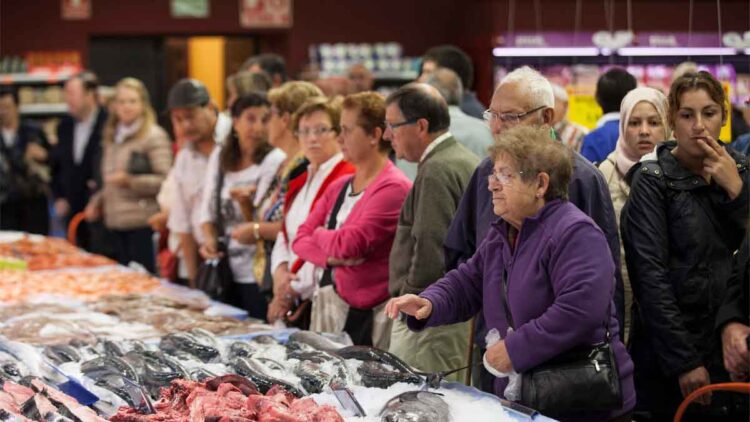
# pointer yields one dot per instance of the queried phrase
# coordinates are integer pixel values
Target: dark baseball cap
(188, 93)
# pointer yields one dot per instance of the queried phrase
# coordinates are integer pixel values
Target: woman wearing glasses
(544, 269)
(238, 175)
(316, 125)
(348, 236)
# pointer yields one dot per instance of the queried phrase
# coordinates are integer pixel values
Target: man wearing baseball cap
(195, 119)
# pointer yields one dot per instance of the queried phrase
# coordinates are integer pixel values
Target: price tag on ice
(347, 399)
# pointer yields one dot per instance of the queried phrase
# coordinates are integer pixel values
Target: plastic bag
(513, 389)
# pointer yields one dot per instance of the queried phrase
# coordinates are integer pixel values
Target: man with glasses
(525, 97)
(417, 122)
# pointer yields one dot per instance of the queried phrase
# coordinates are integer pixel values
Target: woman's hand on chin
(721, 167)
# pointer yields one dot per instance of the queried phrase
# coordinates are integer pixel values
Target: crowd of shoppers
(421, 223)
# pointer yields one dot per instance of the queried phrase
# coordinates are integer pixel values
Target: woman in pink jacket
(349, 233)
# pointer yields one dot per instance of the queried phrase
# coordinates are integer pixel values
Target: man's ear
(423, 125)
(548, 116)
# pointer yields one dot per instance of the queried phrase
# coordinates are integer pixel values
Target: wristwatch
(256, 231)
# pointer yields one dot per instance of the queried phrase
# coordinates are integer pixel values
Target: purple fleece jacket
(560, 286)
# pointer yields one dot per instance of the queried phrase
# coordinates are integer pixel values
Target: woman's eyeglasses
(504, 177)
(306, 133)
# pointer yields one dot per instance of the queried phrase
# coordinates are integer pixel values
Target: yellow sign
(584, 110)
(726, 130)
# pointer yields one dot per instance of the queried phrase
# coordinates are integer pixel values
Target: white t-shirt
(261, 175)
(9, 137)
(189, 175)
(297, 214)
(346, 207)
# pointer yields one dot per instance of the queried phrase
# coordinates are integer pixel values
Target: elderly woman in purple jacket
(556, 263)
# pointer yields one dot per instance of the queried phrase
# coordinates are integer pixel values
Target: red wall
(416, 24)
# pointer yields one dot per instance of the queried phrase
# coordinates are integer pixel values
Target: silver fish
(416, 406)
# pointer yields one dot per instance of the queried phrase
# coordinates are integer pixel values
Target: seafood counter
(198, 376)
(82, 339)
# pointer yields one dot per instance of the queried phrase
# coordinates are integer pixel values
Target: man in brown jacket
(417, 122)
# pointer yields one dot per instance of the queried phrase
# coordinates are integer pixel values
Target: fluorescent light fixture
(676, 51)
(544, 51)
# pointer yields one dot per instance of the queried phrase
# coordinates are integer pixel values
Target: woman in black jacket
(681, 225)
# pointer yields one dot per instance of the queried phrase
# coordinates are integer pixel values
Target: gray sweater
(417, 258)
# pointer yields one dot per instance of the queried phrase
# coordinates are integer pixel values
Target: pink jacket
(367, 233)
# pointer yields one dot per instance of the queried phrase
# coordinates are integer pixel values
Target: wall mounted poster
(75, 9)
(265, 13)
(189, 8)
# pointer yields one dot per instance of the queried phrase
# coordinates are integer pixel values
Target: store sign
(659, 40)
(612, 40)
(736, 40)
(75, 9)
(584, 110)
(189, 8)
(265, 13)
(531, 40)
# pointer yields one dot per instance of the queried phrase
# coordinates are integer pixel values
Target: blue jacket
(587, 190)
(560, 284)
(600, 142)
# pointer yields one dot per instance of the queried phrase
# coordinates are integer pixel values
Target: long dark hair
(229, 159)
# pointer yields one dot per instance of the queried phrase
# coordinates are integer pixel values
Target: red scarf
(343, 168)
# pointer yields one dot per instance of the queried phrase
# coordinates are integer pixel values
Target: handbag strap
(509, 316)
(327, 277)
(219, 220)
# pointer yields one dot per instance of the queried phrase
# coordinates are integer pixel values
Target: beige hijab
(626, 156)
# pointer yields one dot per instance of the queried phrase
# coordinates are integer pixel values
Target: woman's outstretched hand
(413, 305)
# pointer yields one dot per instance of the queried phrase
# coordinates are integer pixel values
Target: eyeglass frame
(317, 132)
(498, 177)
(393, 126)
(489, 115)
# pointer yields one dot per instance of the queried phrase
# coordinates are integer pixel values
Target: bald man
(473, 133)
(417, 122)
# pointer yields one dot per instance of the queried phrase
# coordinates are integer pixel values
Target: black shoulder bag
(215, 275)
(582, 379)
(300, 314)
(358, 321)
(327, 277)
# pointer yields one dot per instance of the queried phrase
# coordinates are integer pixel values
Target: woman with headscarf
(643, 124)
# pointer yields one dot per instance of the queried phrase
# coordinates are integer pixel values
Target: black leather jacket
(679, 234)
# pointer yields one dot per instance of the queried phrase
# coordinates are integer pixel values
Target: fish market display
(47, 253)
(229, 398)
(37, 401)
(76, 326)
(461, 405)
(16, 286)
(169, 316)
(197, 355)
(156, 352)
(416, 406)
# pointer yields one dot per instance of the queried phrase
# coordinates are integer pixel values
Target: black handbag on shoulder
(214, 276)
(139, 163)
(584, 379)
